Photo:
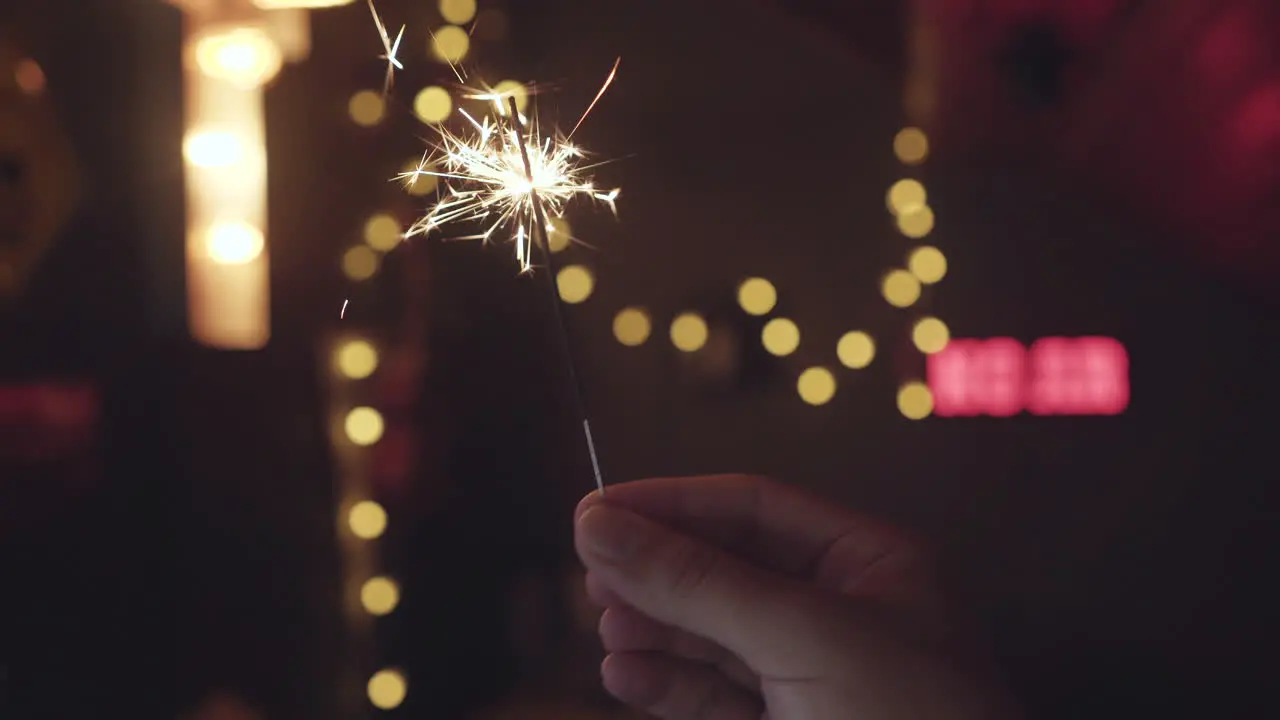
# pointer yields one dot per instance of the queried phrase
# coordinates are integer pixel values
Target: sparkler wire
(553, 272)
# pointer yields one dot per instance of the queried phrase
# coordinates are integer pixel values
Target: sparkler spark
(390, 47)
(485, 178)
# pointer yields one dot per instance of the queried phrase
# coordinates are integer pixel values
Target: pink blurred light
(1056, 376)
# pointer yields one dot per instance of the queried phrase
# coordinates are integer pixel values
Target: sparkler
(505, 176)
(390, 47)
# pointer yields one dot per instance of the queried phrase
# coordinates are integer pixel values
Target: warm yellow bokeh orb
(382, 232)
(360, 263)
(631, 327)
(816, 386)
(689, 332)
(458, 12)
(757, 296)
(781, 337)
(930, 335)
(379, 595)
(367, 520)
(856, 350)
(911, 146)
(900, 288)
(245, 57)
(367, 108)
(213, 149)
(916, 223)
(575, 284)
(928, 264)
(356, 359)
(450, 44)
(906, 195)
(915, 401)
(416, 178)
(234, 243)
(387, 689)
(559, 234)
(432, 104)
(364, 426)
(510, 89)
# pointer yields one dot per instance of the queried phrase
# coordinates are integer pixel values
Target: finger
(676, 689)
(600, 594)
(625, 630)
(683, 582)
(779, 527)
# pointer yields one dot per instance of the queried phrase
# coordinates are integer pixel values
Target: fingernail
(612, 533)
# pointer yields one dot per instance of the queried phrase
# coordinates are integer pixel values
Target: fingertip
(588, 501)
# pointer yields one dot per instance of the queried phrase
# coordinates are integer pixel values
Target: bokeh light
(382, 232)
(244, 57)
(356, 359)
(560, 234)
(906, 195)
(689, 332)
(364, 426)
(419, 183)
(30, 77)
(780, 336)
(234, 243)
(367, 520)
(515, 89)
(911, 146)
(928, 264)
(915, 402)
(917, 222)
(631, 326)
(575, 284)
(930, 335)
(856, 350)
(366, 108)
(757, 296)
(450, 44)
(387, 689)
(379, 596)
(432, 104)
(458, 12)
(213, 149)
(816, 386)
(900, 288)
(359, 263)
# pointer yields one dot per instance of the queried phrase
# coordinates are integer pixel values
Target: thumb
(764, 619)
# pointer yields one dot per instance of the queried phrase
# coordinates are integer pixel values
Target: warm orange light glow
(781, 337)
(575, 284)
(367, 519)
(689, 332)
(816, 386)
(234, 243)
(757, 296)
(246, 57)
(450, 44)
(379, 595)
(632, 327)
(224, 149)
(356, 359)
(387, 689)
(367, 108)
(911, 146)
(364, 426)
(906, 195)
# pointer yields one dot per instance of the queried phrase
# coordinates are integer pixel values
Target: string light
(631, 326)
(364, 426)
(915, 401)
(930, 335)
(356, 359)
(928, 264)
(757, 296)
(380, 595)
(367, 108)
(905, 196)
(689, 332)
(387, 689)
(575, 284)
(367, 520)
(781, 337)
(856, 350)
(900, 288)
(433, 104)
(816, 386)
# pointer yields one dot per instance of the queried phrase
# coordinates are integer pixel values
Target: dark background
(1122, 562)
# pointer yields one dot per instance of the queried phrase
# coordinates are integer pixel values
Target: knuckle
(692, 568)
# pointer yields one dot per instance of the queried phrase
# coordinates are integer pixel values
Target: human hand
(736, 598)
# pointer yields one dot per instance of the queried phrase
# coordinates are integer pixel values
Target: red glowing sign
(1055, 376)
